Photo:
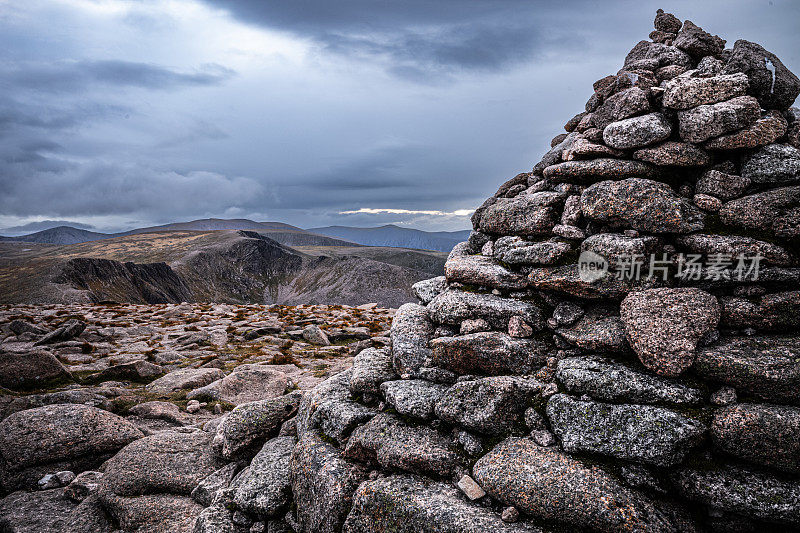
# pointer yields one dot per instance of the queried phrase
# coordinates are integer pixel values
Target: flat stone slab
(405, 504)
(639, 433)
(766, 367)
(491, 353)
(603, 379)
(413, 397)
(391, 443)
(743, 492)
(641, 204)
(493, 406)
(483, 272)
(768, 435)
(453, 307)
(593, 170)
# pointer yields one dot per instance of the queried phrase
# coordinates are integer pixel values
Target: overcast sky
(118, 114)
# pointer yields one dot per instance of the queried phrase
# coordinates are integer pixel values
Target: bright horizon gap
(380, 211)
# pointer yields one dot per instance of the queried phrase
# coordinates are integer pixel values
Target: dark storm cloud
(419, 40)
(72, 76)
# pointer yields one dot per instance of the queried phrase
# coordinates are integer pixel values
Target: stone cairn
(616, 347)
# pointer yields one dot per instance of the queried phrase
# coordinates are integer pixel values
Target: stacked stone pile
(528, 393)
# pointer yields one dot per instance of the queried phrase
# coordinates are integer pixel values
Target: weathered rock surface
(35, 512)
(674, 154)
(167, 461)
(490, 353)
(550, 485)
(722, 185)
(768, 435)
(484, 272)
(264, 488)
(774, 85)
(766, 367)
(641, 204)
(493, 406)
(603, 379)
(743, 491)
(247, 383)
(31, 369)
(517, 251)
(323, 484)
(67, 331)
(153, 513)
(411, 332)
(371, 367)
(665, 325)
(414, 397)
(429, 289)
(636, 132)
(596, 332)
(526, 214)
(331, 410)
(639, 433)
(704, 122)
(251, 423)
(735, 246)
(698, 43)
(58, 434)
(773, 210)
(593, 170)
(774, 311)
(453, 307)
(406, 504)
(765, 130)
(685, 93)
(774, 164)
(184, 379)
(621, 105)
(388, 441)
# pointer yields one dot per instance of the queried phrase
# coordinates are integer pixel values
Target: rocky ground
(128, 354)
(81, 381)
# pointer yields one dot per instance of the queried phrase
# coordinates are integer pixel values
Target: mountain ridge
(387, 235)
(396, 236)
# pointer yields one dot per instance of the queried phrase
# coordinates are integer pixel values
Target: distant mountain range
(286, 234)
(395, 236)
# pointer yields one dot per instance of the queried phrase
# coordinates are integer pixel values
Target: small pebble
(510, 515)
(724, 396)
(469, 487)
(543, 437)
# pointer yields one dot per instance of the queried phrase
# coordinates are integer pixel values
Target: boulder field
(616, 348)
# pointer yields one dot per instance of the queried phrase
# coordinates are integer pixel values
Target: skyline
(137, 113)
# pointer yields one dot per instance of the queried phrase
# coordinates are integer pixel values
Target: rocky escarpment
(106, 279)
(615, 348)
(223, 266)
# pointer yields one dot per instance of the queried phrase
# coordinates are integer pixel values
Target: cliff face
(247, 269)
(104, 279)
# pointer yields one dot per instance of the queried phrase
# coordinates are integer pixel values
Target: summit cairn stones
(601, 354)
